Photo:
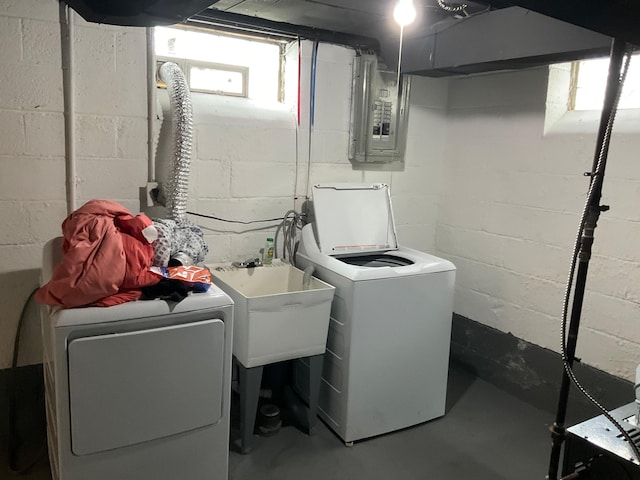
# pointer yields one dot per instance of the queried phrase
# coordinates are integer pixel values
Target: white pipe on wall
(151, 105)
(68, 84)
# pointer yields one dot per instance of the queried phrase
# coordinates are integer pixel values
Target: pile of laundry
(108, 254)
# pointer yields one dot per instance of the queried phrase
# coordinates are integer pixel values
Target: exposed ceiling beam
(218, 18)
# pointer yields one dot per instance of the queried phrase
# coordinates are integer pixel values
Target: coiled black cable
(450, 9)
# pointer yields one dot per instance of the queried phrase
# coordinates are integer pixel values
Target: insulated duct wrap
(177, 187)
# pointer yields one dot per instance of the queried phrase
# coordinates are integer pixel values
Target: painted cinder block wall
(111, 142)
(484, 184)
(244, 162)
(246, 165)
(513, 192)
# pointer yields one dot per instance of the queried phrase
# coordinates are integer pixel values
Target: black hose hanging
(13, 442)
(620, 58)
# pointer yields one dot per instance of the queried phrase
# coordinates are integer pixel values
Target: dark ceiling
(373, 18)
(366, 25)
(488, 34)
(360, 19)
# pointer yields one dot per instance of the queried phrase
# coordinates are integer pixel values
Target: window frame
(573, 86)
(186, 64)
(575, 81)
(559, 119)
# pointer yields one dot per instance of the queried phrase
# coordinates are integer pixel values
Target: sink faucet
(306, 278)
(248, 263)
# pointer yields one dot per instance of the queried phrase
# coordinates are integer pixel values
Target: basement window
(208, 77)
(589, 80)
(223, 64)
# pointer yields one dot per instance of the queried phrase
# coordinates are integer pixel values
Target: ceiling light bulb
(404, 12)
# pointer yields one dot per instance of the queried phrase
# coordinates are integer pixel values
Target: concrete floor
(486, 434)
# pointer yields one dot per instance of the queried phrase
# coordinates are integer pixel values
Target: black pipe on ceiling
(236, 21)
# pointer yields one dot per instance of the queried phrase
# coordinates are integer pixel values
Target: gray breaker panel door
(144, 385)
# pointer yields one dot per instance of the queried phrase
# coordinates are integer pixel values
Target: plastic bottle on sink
(269, 250)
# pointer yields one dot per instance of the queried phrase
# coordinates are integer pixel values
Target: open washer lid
(354, 218)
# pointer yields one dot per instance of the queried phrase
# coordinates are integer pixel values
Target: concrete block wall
(111, 142)
(246, 165)
(417, 190)
(243, 169)
(111, 103)
(32, 188)
(509, 213)
(488, 182)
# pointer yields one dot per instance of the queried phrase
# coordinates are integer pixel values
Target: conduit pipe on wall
(68, 86)
(182, 126)
(312, 113)
(151, 106)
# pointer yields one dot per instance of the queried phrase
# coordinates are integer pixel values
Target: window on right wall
(589, 79)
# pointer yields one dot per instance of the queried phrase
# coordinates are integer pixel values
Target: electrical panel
(379, 112)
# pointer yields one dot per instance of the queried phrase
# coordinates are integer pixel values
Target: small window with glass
(589, 80)
(223, 64)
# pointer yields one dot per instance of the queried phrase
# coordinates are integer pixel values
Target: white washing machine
(138, 391)
(386, 364)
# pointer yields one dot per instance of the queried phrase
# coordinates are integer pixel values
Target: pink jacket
(106, 258)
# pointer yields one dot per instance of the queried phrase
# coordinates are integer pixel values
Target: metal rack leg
(249, 380)
(315, 377)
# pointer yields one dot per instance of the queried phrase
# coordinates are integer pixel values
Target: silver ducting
(176, 189)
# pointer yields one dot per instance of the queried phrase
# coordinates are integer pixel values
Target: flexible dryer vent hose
(177, 187)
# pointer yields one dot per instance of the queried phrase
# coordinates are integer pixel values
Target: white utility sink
(275, 317)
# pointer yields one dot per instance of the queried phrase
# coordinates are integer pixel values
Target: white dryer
(386, 365)
(138, 391)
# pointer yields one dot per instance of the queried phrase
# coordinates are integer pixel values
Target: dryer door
(143, 385)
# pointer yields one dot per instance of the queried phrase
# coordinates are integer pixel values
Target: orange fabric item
(106, 258)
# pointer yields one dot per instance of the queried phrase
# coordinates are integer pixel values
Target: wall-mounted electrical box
(379, 113)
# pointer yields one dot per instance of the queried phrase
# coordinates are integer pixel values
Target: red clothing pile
(106, 258)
